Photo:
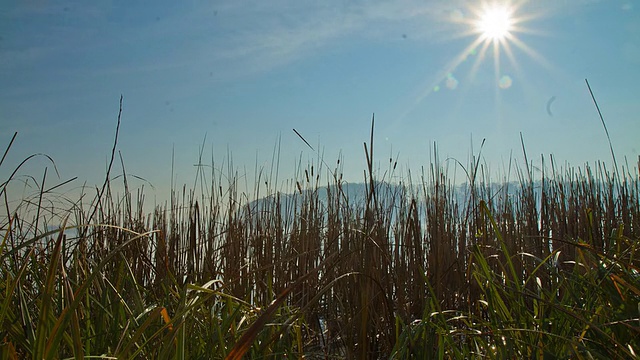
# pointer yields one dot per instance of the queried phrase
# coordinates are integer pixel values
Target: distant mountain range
(389, 194)
(356, 194)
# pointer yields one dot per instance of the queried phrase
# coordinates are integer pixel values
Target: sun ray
(449, 68)
(480, 58)
(532, 53)
(494, 26)
(508, 51)
(497, 25)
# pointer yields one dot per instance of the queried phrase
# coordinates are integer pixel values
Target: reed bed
(542, 267)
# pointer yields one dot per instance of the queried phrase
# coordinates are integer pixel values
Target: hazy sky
(245, 73)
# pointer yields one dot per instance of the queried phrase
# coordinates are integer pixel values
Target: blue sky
(244, 73)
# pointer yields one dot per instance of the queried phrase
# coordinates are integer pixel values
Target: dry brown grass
(355, 274)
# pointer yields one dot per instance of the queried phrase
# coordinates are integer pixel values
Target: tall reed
(542, 267)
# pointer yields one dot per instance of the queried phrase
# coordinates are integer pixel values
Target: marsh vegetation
(543, 266)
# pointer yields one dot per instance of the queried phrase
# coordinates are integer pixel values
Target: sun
(495, 23)
(496, 27)
(498, 30)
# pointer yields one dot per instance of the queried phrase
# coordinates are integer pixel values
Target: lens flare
(495, 26)
(496, 29)
(451, 82)
(505, 82)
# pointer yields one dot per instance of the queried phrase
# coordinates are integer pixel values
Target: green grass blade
(42, 329)
(59, 329)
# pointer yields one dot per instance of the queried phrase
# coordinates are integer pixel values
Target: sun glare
(496, 28)
(495, 23)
